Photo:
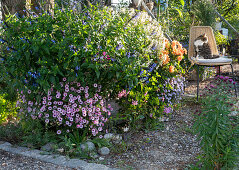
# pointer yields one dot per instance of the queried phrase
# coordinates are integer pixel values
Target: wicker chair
(195, 31)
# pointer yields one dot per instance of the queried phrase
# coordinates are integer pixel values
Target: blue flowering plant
(160, 88)
(44, 54)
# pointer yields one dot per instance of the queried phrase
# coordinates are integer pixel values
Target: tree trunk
(12, 6)
(46, 5)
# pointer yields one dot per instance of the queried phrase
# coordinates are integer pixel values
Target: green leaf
(117, 75)
(97, 73)
(179, 12)
(182, 2)
(53, 80)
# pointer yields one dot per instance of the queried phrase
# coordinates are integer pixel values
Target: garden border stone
(53, 158)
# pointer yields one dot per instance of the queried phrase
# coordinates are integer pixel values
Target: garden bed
(171, 146)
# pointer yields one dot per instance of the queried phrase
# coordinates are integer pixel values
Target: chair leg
(197, 81)
(219, 70)
(233, 77)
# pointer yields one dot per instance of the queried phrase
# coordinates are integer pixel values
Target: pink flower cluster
(102, 57)
(123, 93)
(74, 107)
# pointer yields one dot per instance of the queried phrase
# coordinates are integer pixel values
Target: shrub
(98, 47)
(8, 109)
(217, 132)
(156, 93)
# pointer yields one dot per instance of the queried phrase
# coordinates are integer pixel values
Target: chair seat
(210, 62)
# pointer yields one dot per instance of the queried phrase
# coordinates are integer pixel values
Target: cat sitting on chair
(202, 48)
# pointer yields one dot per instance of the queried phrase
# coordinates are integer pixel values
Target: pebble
(104, 151)
(101, 158)
(88, 145)
(108, 136)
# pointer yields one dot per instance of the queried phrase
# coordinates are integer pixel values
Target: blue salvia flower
(153, 48)
(128, 54)
(84, 23)
(77, 67)
(2, 40)
(120, 46)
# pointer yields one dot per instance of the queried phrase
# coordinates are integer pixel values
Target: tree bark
(12, 6)
(38, 5)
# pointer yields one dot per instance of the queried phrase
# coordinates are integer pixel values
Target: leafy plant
(156, 93)
(220, 39)
(8, 110)
(217, 134)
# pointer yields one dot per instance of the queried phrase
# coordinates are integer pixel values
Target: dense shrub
(160, 88)
(100, 47)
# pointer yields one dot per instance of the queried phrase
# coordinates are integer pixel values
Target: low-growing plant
(217, 134)
(11, 132)
(76, 110)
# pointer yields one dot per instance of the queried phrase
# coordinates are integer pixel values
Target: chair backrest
(195, 31)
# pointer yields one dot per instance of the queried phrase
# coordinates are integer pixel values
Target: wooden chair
(195, 31)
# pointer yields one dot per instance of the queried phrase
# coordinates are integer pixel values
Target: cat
(202, 48)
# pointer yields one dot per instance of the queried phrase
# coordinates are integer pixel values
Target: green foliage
(220, 39)
(204, 10)
(8, 110)
(217, 133)
(40, 51)
(12, 133)
(36, 133)
(159, 88)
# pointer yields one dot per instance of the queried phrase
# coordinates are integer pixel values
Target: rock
(117, 137)
(108, 136)
(95, 156)
(48, 147)
(101, 158)
(163, 119)
(104, 151)
(89, 146)
(61, 150)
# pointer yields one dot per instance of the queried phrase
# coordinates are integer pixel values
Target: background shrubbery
(66, 66)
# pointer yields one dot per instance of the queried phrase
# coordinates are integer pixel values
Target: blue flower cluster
(31, 78)
(146, 76)
(120, 46)
(172, 89)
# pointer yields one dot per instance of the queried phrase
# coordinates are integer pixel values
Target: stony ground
(171, 147)
(174, 147)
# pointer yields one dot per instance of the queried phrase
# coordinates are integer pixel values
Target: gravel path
(174, 147)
